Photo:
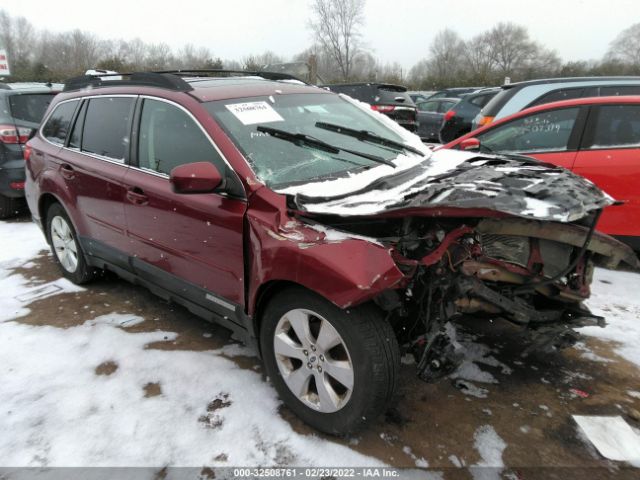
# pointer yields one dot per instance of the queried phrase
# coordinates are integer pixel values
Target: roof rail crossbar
(151, 79)
(207, 72)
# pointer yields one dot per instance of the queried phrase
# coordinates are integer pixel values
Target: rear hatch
(394, 101)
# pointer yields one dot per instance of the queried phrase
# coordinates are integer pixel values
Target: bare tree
(626, 46)
(260, 61)
(159, 57)
(510, 47)
(17, 36)
(446, 55)
(478, 58)
(336, 25)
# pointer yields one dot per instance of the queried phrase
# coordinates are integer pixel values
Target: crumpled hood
(449, 178)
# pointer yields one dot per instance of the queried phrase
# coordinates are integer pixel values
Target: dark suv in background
(22, 106)
(457, 121)
(392, 100)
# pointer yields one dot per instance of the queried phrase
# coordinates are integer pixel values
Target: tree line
(338, 53)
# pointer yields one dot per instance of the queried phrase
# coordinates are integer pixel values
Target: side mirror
(470, 144)
(199, 177)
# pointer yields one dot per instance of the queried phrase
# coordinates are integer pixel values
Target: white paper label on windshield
(251, 113)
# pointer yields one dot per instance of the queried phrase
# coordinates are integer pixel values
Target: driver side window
(539, 132)
(169, 138)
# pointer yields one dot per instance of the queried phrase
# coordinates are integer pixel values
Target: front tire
(335, 369)
(65, 246)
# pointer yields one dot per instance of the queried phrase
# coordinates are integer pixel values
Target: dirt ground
(531, 407)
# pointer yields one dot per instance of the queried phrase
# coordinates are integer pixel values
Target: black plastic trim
(199, 301)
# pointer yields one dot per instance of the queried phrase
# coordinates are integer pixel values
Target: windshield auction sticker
(251, 113)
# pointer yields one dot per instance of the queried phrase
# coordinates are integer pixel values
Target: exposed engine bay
(492, 236)
(534, 274)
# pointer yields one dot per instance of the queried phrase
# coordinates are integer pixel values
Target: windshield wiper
(365, 135)
(308, 140)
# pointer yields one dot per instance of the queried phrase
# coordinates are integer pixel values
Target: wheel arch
(45, 202)
(263, 296)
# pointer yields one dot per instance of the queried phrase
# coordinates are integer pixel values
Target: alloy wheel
(313, 360)
(64, 245)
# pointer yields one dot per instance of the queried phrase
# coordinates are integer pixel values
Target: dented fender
(345, 269)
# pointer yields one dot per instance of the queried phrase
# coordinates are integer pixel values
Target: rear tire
(343, 374)
(65, 246)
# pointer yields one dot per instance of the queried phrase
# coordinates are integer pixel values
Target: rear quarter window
(558, 95)
(620, 90)
(481, 100)
(59, 122)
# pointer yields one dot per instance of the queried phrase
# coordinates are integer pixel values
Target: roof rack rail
(151, 79)
(205, 72)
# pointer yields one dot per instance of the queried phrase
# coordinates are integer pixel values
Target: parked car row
(391, 100)
(598, 138)
(314, 227)
(22, 106)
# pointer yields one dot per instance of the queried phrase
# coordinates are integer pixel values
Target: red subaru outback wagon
(319, 229)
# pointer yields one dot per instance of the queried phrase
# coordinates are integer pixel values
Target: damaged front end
(524, 255)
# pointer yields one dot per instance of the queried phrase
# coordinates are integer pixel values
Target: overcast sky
(395, 30)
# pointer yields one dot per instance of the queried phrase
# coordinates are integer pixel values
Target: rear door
(551, 135)
(610, 157)
(93, 167)
(191, 244)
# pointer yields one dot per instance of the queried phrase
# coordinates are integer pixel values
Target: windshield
(278, 162)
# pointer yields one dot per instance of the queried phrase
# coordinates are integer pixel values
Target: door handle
(67, 171)
(137, 196)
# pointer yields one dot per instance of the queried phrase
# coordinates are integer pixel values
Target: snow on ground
(616, 296)
(81, 395)
(474, 355)
(76, 396)
(63, 409)
(490, 447)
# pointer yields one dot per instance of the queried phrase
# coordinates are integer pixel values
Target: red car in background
(598, 138)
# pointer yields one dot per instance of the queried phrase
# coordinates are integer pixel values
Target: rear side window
(428, 106)
(620, 90)
(445, 106)
(481, 100)
(59, 122)
(29, 107)
(169, 138)
(539, 132)
(617, 126)
(106, 127)
(558, 95)
(359, 92)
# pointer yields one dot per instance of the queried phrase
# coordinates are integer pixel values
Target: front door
(550, 136)
(190, 244)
